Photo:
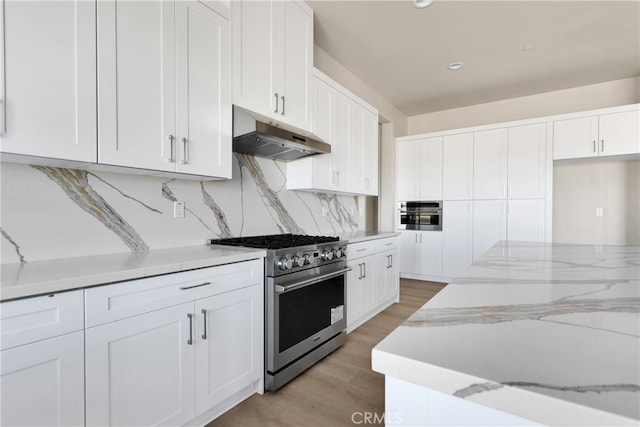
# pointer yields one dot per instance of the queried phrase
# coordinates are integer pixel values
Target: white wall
(580, 187)
(602, 95)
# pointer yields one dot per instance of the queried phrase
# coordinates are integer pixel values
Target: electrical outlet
(599, 211)
(178, 209)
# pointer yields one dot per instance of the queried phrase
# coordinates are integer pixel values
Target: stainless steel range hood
(254, 137)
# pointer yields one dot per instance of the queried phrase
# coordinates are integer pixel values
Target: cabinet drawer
(113, 302)
(386, 244)
(360, 249)
(38, 318)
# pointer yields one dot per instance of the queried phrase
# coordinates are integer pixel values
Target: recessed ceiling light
(456, 65)
(528, 48)
(421, 4)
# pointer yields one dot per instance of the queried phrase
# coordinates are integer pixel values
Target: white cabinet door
(457, 237)
(526, 220)
(409, 252)
(575, 138)
(527, 161)
(48, 79)
(228, 337)
(490, 164)
(360, 288)
(273, 56)
(297, 62)
(253, 56)
(42, 384)
(140, 370)
(324, 98)
(619, 133)
(430, 168)
(136, 84)
(340, 151)
(391, 281)
(430, 253)
(407, 171)
(457, 167)
(370, 159)
(489, 225)
(203, 55)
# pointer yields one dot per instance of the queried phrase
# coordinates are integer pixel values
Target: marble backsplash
(50, 213)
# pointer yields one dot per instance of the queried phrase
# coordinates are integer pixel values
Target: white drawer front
(38, 318)
(386, 244)
(360, 249)
(113, 302)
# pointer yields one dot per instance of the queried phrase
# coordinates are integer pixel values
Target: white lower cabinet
(42, 383)
(373, 282)
(420, 254)
(526, 220)
(489, 225)
(457, 237)
(140, 370)
(42, 361)
(173, 364)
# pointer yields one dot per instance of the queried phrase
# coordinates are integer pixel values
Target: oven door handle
(282, 289)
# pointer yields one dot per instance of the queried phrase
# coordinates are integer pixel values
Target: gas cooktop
(274, 241)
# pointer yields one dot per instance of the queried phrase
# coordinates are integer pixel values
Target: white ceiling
(403, 52)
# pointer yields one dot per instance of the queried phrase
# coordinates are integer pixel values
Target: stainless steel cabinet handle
(361, 249)
(365, 270)
(171, 149)
(184, 288)
(190, 340)
(276, 95)
(204, 334)
(360, 268)
(602, 145)
(282, 97)
(185, 151)
(594, 145)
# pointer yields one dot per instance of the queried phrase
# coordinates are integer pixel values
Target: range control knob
(284, 263)
(306, 258)
(297, 261)
(326, 255)
(338, 252)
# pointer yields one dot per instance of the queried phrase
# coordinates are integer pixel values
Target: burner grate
(274, 241)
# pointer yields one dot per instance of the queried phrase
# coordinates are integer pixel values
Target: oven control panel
(308, 259)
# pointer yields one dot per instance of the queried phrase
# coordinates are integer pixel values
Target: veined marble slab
(41, 277)
(547, 332)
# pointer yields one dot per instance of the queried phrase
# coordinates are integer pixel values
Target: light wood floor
(330, 392)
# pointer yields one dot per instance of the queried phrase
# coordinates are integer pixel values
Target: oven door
(304, 310)
(408, 220)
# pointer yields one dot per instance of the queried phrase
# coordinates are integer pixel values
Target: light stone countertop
(363, 236)
(43, 277)
(547, 332)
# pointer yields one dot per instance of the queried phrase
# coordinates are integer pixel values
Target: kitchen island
(530, 334)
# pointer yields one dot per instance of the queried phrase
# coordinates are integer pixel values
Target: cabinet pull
(276, 95)
(388, 244)
(421, 238)
(594, 145)
(364, 265)
(190, 340)
(361, 249)
(602, 145)
(171, 149)
(204, 334)
(282, 113)
(184, 288)
(185, 151)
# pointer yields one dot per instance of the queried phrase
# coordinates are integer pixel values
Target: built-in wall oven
(305, 305)
(420, 215)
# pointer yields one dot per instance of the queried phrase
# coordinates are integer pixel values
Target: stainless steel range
(305, 304)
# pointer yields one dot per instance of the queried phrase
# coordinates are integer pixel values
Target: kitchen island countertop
(546, 332)
(43, 277)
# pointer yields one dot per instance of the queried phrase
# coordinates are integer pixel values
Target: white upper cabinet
(490, 164)
(163, 87)
(351, 127)
(48, 79)
(419, 169)
(527, 161)
(273, 60)
(607, 134)
(457, 167)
